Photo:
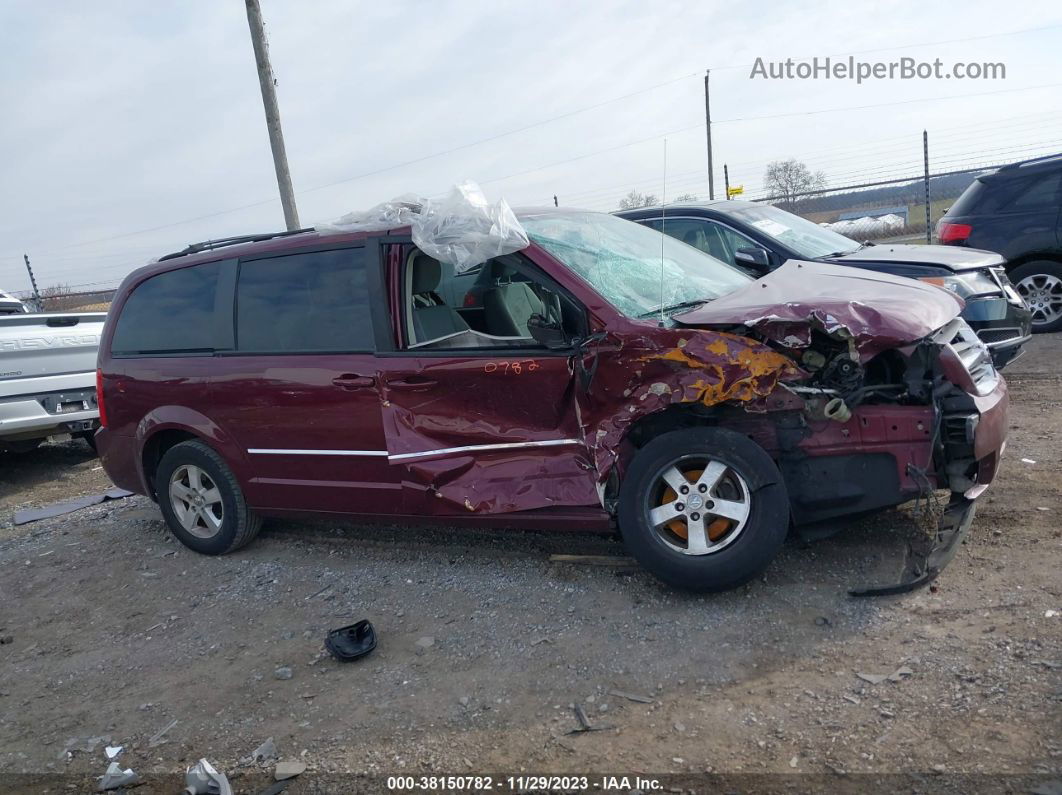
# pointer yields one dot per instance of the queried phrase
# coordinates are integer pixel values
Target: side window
(492, 308)
(696, 232)
(311, 302)
(733, 241)
(1041, 193)
(169, 313)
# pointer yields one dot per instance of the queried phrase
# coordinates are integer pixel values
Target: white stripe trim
(473, 448)
(268, 451)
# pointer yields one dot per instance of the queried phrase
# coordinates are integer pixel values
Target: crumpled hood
(875, 310)
(953, 258)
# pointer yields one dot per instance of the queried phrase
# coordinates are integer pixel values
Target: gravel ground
(110, 629)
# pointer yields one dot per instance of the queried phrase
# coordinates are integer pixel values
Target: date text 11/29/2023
(523, 783)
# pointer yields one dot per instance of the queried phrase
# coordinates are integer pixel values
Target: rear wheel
(201, 500)
(703, 509)
(1040, 284)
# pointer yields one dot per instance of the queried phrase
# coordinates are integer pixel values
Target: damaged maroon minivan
(609, 373)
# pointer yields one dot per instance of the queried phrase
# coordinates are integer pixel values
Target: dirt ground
(111, 629)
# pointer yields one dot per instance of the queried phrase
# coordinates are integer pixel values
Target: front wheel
(703, 509)
(202, 501)
(1040, 284)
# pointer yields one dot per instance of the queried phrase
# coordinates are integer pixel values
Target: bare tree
(634, 199)
(786, 179)
(686, 197)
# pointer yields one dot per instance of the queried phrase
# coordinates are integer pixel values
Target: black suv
(1017, 211)
(760, 237)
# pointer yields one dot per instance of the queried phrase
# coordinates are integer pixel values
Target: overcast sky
(131, 129)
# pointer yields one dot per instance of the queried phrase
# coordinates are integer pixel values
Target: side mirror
(752, 255)
(551, 335)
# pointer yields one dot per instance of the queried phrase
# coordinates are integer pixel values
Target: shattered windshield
(807, 239)
(623, 260)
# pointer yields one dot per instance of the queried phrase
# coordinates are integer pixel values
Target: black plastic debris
(922, 567)
(68, 506)
(350, 643)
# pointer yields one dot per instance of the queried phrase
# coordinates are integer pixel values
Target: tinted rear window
(169, 313)
(309, 302)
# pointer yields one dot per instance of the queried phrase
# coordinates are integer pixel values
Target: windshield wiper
(672, 307)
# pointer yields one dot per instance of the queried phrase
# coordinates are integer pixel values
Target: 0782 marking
(515, 367)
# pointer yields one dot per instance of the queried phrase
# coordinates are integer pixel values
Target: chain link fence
(62, 299)
(891, 210)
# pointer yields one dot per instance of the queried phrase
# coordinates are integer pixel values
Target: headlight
(966, 285)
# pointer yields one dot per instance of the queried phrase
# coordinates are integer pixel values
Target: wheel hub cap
(196, 501)
(698, 507)
(1043, 293)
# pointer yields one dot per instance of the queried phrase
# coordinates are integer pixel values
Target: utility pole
(555, 200)
(708, 122)
(33, 282)
(726, 181)
(272, 113)
(925, 163)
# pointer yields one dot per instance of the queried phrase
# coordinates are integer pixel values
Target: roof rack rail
(1031, 161)
(221, 242)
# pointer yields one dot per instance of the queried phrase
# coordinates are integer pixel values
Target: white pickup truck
(48, 377)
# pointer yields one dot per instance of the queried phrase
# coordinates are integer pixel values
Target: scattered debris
(794, 762)
(283, 672)
(351, 642)
(425, 642)
(266, 752)
(203, 779)
(115, 777)
(112, 751)
(584, 722)
(83, 745)
(1050, 613)
(540, 639)
(631, 696)
(160, 736)
(853, 699)
(822, 621)
(896, 676)
(288, 769)
(1028, 461)
(67, 506)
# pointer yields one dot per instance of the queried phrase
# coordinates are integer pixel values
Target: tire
(197, 470)
(731, 551)
(1040, 284)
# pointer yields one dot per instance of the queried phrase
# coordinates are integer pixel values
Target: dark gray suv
(1016, 210)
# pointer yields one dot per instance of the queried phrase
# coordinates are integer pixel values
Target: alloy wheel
(698, 506)
(196, 501)
(1043, 293)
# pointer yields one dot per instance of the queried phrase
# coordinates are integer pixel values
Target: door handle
(412, 383)
(351, 381)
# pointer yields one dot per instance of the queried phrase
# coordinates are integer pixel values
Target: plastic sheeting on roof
(460, 228)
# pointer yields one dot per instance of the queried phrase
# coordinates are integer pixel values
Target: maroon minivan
(608, 374)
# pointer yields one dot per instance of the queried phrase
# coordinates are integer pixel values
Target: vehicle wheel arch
(167, 426)
(646, 428)
(1035, 256)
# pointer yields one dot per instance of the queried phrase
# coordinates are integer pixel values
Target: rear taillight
(953, 234)
(99, 397)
